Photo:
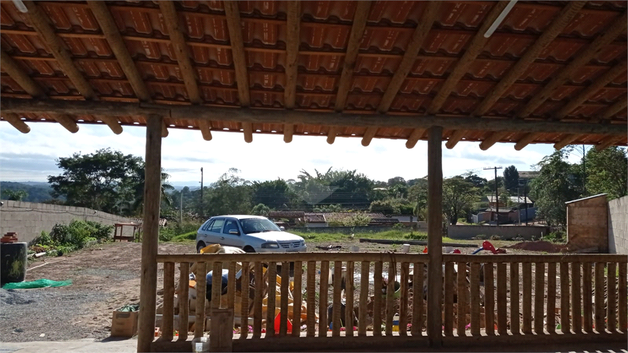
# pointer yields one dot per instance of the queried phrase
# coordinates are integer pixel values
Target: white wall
(618, 226)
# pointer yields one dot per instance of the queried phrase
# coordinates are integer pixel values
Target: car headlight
(302, 243)
(270, 245)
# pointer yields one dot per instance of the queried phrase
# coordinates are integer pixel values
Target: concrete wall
(618, 226)
(587, 224)
(29, 219)
(504, 232)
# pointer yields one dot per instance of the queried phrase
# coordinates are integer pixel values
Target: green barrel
(12, 262)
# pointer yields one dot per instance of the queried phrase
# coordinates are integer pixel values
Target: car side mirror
(234, 232)
(282, 228)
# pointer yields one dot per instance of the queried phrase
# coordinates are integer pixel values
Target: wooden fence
(484, 297)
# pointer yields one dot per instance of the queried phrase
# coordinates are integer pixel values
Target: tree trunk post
(152, 194)
(434, 235)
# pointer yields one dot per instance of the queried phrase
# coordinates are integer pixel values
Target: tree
(230, 194)
(417, 195)
(476, 180)
(275, 194)
(458, 197)
(350, 189)
(261, 210)
(511, 179)
(607, 172)
(16, 195)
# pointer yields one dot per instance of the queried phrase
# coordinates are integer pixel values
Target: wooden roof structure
(552, 72)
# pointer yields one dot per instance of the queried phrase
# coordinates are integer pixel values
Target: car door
(231, 224)
(214, 233)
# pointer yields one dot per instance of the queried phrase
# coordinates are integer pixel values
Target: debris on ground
(540, 245)
(329, 247)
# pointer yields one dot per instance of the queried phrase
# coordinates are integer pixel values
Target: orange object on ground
(278, 324)
(10, 237)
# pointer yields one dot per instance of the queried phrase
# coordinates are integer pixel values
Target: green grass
(395, 234)
(185, 237)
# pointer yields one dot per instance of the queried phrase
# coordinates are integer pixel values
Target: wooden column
(152, 193)
(434, 235)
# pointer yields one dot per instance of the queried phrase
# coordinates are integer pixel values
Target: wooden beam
(549, 34)
(288, 131)
(237, 50)
(112, 123)
(67, 122)
(17, 123)
(368, 135)
(592, 89)
(471, 52)
(119, 48)
(181, 50)
(331, 135)
(566, 140)
(409, 57)
(607, 142)
(292, 61)
(12, 68)
(614, 109)
(150, 227)
(492, 139)
(579, 60)
(164, 129)
(435, 235)
(455, 137)
(248, 131)
(197, 112)
(414, 137)
(57, 47)
(353, 46)
(526, 140)
(205, 128)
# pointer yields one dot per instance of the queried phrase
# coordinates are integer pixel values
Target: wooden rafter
(471, 52)
(67, 122)
(526, 140)
(205, 128)
(549, 34)
(455, 137)
(368, 135)
(414, 137)
(492, 139)
(292, 56)
(41, 23)
(409, 57)
(607, 142)
(17, 123)
(353, 46)
(566, 140)
(232, 13)
(592, 89)
(615, 108)
(331, 135)
(580, 59)
(18, 75)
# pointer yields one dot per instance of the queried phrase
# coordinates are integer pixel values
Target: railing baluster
(272, 298)
(612, 299)
(350, 289)
(417, 299)
(502, 301)
(514, 299)
(297, 302)
(622, 307)
(403, 303)
(231, 285)
(257, 301)
(449, 298)
(475, 298)
(564, 297)
(576, 297)
(311, 298)
(587, 304)
(489, 299)
(600, 313)
(462, 298)
(336, 305)
(539, 297)
(285, 286)
(527, 298)
(168, 312)
(216, 285)
(244, 307)
(322, 300)
(377, 301)
(201, 289)
(551, 297)
(390, 297)
(364, 294)
(184, 301)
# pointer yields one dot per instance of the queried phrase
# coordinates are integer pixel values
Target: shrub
(480, 237)
(495, 237)
(166, 234)
(100, 231)
(555, 237)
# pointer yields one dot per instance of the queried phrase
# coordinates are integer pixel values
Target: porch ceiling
(553, 72)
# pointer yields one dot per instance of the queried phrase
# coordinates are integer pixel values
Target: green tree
(261, 210)
(275, 194)
(511, 179)
(230, 194)
(16, 195)
(607, 172)
(458, 197)
(417, 195)
(350, 189)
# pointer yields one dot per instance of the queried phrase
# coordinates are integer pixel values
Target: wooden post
(449, 298)
(184, 302)
(285, 285)
(489, 298)
(364, 292)
(152, 193)
(322, 299)
(168, 313)
(434, 235)
(514, 299)
(502, 314)
(272, 298)
(539, 297)
(475, 298)
(244, 308)
(297, 293)
(587, 304)
(350, 288)
(311, 298)
(576, 295)
(551, 297)
(527, 298)
(417, 299)
(377, 299)
(621, 306)
(336, 305)
(403, 305)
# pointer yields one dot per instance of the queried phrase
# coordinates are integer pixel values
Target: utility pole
(496, 195)
(584, 173)
(202, 213)
(181, 207)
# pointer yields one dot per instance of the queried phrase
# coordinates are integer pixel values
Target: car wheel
(248, 249)
(199, 246)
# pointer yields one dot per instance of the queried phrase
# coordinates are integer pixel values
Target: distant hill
(37, 191)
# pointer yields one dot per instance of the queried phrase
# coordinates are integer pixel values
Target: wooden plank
(377, 299)
(514, 299)
(350, 289)
(474, 277)
(489, 299)
(403, 302)
(449, 299)
(364, 292)
(502, 300)
(353, 47)
(622, 295)
(414, 137)
(527, 299)
(297, 294)
(148, 277)
(336, 304)
(612, 298)
(285, 286)
(216, 285)
(600, 313)
(272, 297)
(551, 297)
(231, 285)
(463, 302)
(16, 122)
(408, 61)
(311, 298)
(167, 328)
(293, 30)
(184, 302)
(245, 281)
(564, 297)
(417, 300)
(539, 297)
(322, 299)
(587, 293)
(201, 289)
(576, 299)
(435, 235)
(232, 13)
(257, 301)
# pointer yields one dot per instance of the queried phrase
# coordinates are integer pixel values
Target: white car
(249, 233)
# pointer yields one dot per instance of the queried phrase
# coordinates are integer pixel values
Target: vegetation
(29, 192)
(65, 238)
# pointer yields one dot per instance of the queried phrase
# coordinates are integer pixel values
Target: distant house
(514, 213)
(515, 202)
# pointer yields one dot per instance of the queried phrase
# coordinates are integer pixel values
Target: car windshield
(257, 225)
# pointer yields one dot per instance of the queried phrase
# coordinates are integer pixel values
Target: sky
(32, 156)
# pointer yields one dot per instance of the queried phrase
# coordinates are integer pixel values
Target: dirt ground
(104, 278)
